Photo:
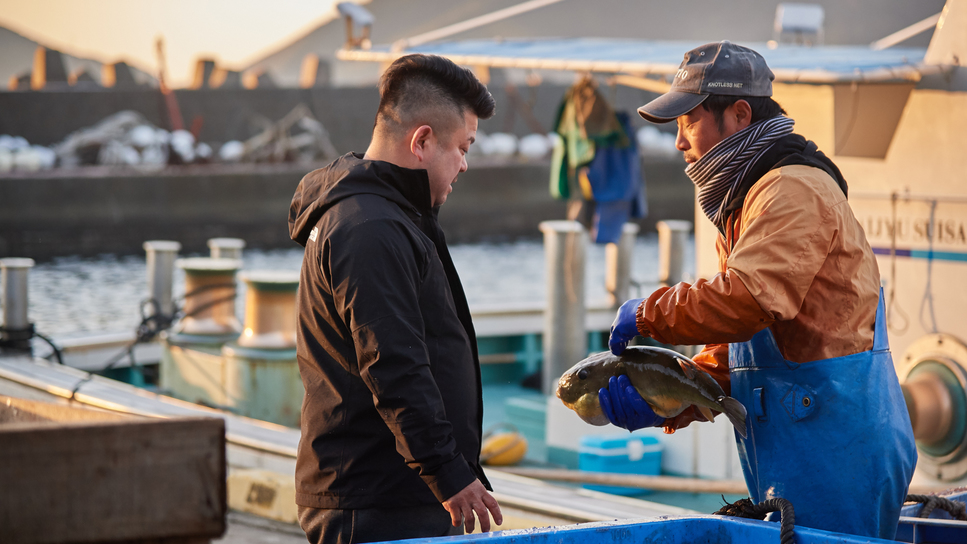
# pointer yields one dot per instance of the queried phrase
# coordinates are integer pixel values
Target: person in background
(793, 324)
(391, 421)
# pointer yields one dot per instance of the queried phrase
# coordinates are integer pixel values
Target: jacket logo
(313, 234)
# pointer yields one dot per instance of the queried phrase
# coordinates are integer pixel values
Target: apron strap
(880, 340)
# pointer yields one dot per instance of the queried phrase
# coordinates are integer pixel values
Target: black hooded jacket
(387, 353)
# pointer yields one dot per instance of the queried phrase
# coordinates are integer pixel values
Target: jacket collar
(412, 185)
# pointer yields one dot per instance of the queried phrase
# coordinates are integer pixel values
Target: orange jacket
(794, 259)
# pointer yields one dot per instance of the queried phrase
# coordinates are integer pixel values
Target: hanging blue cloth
(831, 436)
(617, 186)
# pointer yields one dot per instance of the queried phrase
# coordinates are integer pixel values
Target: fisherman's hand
(625, 326)
(683, 419)
(470, 500)
(624, 406)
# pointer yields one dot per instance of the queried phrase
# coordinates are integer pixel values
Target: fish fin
(736, 413)
(688, 367)
(706, 412)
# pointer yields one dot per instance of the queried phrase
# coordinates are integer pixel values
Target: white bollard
(209, 297)
(270, 311)
(17, 329)
(226, 248)
(672, 238)
(565, 338)
(161, 255)
(617, 258)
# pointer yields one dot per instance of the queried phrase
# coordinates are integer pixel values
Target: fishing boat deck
(255, 445)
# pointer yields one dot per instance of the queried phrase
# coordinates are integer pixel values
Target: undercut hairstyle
(763, 107)
(429, 90)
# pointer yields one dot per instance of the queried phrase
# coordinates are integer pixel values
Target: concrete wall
(47, 117)
(96, 210)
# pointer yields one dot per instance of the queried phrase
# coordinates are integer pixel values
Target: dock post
(226, 248)
(617, 258)
(565, 338)
(161, 255)
(210, 292)
(17, 330)
(672, 237)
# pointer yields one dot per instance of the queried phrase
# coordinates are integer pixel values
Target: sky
(234, 32)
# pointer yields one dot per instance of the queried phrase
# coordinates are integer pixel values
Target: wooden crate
(71, 474)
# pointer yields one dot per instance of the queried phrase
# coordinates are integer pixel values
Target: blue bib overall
(832, 436)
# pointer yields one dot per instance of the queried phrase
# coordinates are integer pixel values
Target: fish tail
(736, 413)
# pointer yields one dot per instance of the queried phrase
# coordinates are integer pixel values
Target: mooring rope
(153, 323)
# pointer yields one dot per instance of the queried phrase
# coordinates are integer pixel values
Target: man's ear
(418, 143)
(743, 114)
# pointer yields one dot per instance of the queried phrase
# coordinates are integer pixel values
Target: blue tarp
(841, 59)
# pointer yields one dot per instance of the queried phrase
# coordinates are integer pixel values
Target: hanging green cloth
(584, 121)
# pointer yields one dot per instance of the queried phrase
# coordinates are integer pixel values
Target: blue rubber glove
(625, 326)
(624, 406)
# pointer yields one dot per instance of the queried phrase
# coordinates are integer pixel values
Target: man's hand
(625, 326)
(473, 499)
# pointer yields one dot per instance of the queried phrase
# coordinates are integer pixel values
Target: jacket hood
(351, 175)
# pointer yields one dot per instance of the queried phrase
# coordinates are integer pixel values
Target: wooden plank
(88, 481)
(113, 395)
(17, 410)
(657, 483)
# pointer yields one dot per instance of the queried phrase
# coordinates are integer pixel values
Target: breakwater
(96, 210)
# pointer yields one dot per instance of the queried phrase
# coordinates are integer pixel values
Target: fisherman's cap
(714, 68)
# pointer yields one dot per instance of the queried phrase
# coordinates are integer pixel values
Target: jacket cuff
(640, 322)
(450, 479)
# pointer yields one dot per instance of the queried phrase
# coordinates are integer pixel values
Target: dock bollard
(160, 256)
(565, 339)
(617, 259)
(270, 313)
(672, 237)
(209, 308)
(17, 330)
(261, 372)
(226, 248)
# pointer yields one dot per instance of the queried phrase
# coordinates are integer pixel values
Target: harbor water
(79, 296)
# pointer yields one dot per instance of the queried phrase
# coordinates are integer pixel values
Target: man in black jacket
(391, 420)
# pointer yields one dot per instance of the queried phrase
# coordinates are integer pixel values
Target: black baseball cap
(714, 68)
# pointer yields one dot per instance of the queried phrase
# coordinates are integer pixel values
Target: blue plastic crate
(623, 454)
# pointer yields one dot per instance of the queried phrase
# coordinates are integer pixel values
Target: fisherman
(793, 324)
(391, 421)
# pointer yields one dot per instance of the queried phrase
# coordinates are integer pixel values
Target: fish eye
(582, 374)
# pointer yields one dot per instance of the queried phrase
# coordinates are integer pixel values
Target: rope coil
(745, 508)
(956, 509)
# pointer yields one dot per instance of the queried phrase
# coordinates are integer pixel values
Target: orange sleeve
(716, 311)
(714, 359)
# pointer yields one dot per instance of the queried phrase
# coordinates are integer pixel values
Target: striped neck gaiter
(719, 171)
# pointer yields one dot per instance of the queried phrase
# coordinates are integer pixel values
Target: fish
(668, 381)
